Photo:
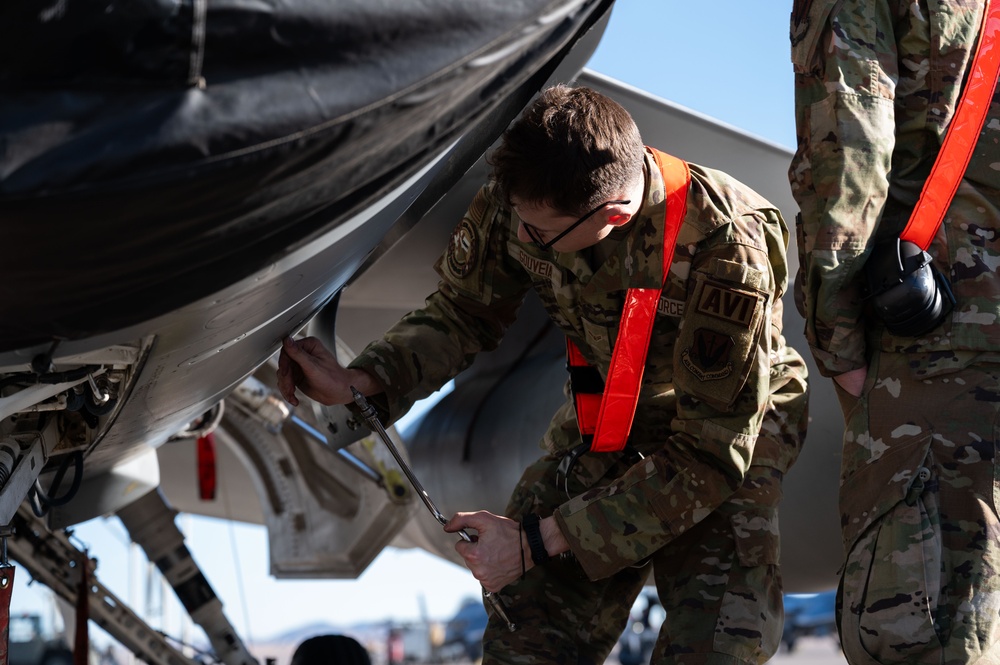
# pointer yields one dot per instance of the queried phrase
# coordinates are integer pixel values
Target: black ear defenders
(907, 292)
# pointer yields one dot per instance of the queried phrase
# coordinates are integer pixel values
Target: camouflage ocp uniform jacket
(716, 360)
(877, 82)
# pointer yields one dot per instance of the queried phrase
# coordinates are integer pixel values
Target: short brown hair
(571, 149)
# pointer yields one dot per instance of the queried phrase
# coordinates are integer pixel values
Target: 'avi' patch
(708, 357)
(463, 250)
(726, 304)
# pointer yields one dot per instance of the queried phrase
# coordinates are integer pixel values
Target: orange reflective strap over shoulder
(628, 360)
(963, 133)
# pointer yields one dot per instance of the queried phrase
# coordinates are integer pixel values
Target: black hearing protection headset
(908, 293)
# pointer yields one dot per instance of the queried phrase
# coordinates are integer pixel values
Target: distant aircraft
(182, 188)
(809, 615)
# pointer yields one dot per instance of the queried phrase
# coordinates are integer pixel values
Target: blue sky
(728, 60)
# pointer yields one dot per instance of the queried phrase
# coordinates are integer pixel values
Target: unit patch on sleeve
(717, 345)
(463, 249)
(726, 304)
(709, 356)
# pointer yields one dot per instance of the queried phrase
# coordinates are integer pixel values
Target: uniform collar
(637, 261)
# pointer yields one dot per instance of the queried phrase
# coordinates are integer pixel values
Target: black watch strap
(534, 535)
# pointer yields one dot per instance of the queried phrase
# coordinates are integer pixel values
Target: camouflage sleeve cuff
(392, 402)
(604, 540)
(653, 502)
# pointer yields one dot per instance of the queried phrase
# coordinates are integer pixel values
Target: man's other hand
(309, 366)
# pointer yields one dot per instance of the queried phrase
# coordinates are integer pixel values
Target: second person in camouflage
(877, 86)
(576, 212)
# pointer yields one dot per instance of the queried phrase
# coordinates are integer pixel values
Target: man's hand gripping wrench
(371, 417)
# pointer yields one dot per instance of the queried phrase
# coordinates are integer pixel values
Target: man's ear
(618, 215)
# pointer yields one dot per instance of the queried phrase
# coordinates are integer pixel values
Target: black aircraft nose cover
(173, 148)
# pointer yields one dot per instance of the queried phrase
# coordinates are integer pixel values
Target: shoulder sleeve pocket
(723, 320)
(464, 264)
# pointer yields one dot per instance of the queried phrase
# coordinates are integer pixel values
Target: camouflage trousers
(918, 503)
(719, 582)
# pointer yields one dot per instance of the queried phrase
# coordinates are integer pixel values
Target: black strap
(585, 379)
(534, 535)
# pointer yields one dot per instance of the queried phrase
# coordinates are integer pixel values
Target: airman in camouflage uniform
(720, 419)
(877, 83)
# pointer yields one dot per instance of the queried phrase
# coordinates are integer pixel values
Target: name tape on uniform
(535, 265)
(668, 307)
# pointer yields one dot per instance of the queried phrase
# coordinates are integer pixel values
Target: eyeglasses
(536, 238)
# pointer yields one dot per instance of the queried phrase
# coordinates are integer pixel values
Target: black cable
(68, 375)
(30, 378)
(45, 498)
(36, 506)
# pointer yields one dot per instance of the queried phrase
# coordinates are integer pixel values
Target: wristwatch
(534, 536)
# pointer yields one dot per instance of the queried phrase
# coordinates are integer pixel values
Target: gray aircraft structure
(175, 203)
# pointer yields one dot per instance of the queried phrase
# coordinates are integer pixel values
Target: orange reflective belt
(608, 417)
(963, 132)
